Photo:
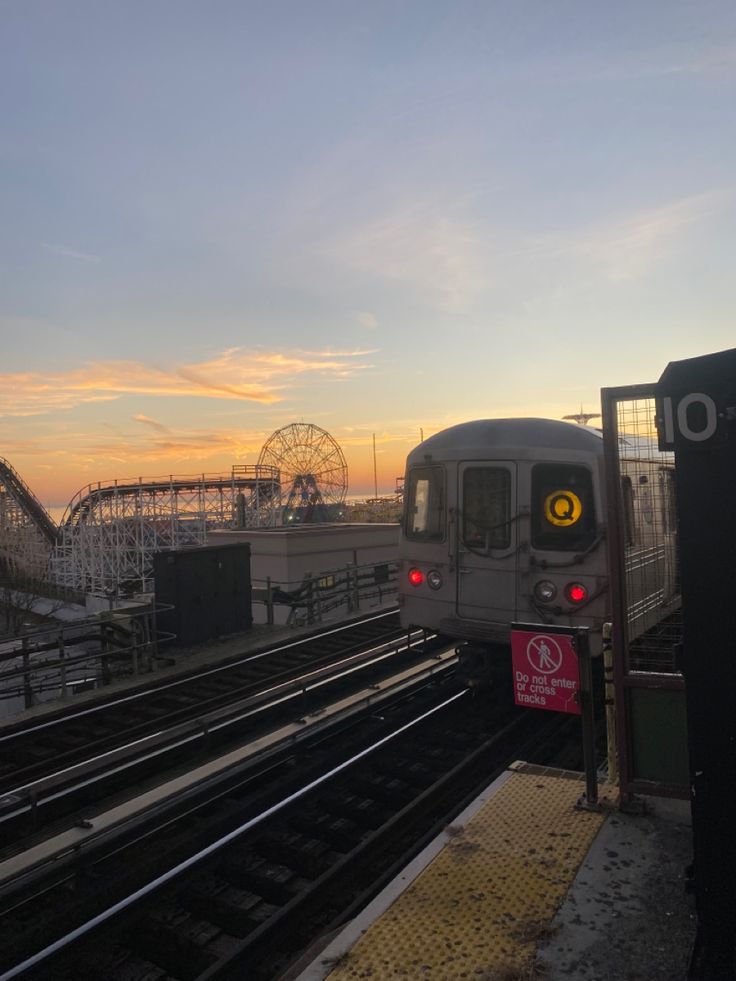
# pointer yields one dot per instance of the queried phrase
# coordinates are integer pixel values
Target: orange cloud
(153, 423)
(253, 376)
(80, 459)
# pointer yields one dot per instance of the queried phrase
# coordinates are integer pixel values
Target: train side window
(424, 519)
(486, 507)
(562, 507)
(627, 494)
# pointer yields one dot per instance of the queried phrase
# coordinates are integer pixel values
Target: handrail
(328, 590)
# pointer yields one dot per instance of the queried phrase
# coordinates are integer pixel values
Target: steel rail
(72, 844)
(212, 848)
(196, 676)
(29, 796)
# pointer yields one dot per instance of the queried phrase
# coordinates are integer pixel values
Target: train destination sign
(546, 671)
(562, 508)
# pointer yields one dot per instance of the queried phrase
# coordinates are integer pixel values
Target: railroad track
(309, 678)
(274, 851)
(63, 737)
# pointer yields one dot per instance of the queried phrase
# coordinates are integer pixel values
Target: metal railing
(56, 662)
(327, 595)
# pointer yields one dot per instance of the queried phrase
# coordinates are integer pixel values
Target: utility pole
(375, 472)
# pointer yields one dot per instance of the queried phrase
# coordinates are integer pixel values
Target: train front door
(487, 542)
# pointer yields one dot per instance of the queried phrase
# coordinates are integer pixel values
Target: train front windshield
(486, 508)
(562, 508)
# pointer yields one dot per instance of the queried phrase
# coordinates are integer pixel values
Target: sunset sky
(378, 217)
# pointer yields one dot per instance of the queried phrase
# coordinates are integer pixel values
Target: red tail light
(576, 592)
(416, 578)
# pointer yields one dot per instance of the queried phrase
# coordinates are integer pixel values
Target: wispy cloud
(455, 264)
(659, 60)
(147, 421)
(687, 60)
(427, 246)
(177, 448)
(71, 253)
(367, 319)
(629, 247)
(81, 457)
(252, 376)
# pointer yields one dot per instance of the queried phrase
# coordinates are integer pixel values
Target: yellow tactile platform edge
(478, 910)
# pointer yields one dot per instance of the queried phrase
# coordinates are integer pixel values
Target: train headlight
(416, 577)
(576, 592)
(545, 591)
(434, 579)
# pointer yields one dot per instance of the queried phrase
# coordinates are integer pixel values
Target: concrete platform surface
(627, 916)
(525, 886)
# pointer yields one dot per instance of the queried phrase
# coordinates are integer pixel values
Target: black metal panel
(209, 589)
(697, 415)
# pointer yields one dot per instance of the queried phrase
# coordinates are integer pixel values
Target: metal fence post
(62, 666)
(308, 586)
(269, 602)
(348, 589)
(27, 688)
(582, 644)
(146, 625)
(610, 701)
(154, 629)
(135, 634)
(106, 645)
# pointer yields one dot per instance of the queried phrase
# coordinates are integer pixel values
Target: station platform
(525, 884)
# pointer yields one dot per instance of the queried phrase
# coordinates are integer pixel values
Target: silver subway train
(505, 520)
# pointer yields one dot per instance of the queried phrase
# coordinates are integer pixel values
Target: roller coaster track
(12, 485)
(28, 534)
(167, 489)
(110, 531)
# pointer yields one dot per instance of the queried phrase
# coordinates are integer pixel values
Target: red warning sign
(546, 673)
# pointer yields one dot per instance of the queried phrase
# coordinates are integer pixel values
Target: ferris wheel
(313, 469)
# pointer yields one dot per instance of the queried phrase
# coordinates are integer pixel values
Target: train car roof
(520, 434)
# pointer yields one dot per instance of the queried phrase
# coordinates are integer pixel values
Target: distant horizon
(362, 490)
(56, 511)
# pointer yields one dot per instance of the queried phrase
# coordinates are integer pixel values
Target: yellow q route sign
(562, 508)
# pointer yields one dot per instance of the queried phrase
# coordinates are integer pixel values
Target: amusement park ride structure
(312, 468)
(108, 535)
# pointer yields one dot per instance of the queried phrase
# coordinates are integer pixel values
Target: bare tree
(21, 596)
